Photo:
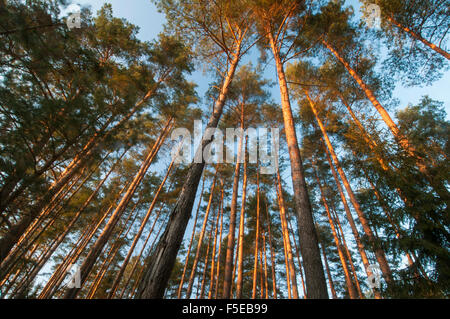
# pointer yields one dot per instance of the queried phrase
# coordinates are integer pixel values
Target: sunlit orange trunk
(379, 253)
(416, 36)
(241, 228)
(286, 240)
(272, 256)
(402, 140)
(350, 287)
(314, 275)
(200, 239)
(286, 259)
(255, 264)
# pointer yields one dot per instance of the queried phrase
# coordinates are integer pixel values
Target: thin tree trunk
(255, 264)
(180, 287)
(359, 243)
(272, 256)
(97, 248)
(379, 253)
(402, 140)
(241, 228)
(287, 241)
(200, 239)
(347, 251)
(350, 287)
(266, 280)
(202, 290)
(232, 227)
(291, 230)
(417, 36)
(220, 243)
(111, 255)
(327, 268)
(213, 257)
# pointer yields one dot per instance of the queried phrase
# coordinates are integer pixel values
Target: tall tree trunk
(327, 268)
(350, 287)
(112, 253)
(213, 257)
(163, 259)
(379, 253)
(315, 278)
(272, 256)
(266, 279)
(255, 264)
(347, 251)
(139, 256)
(287, 241)
(417, 36)
(241, 228)
(205, 271)
(220, 243)
(402, 140)
(297, 252)
(232, 227)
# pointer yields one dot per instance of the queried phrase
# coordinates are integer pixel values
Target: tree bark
(379, 253)
(200, 239)
(315, 278)
(417, 36)
(348, 280)
(162, 261)
(402, 140)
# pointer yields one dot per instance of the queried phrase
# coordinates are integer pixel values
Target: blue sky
(144, 14)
